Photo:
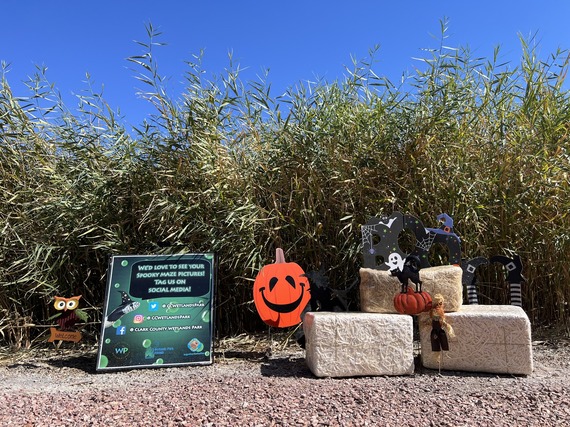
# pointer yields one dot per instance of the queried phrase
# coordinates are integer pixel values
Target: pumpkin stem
(279, 256)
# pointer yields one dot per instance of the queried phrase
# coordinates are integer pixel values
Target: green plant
(230, 168)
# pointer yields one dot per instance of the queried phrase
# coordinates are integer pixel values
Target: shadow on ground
(286, 367)
(85, 363)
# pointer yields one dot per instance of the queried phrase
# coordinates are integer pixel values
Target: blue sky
(295, 40)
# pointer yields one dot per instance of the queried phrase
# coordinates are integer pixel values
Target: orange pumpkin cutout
(281, 292)
(411, 302)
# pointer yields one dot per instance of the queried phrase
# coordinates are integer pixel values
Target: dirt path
(253, 384)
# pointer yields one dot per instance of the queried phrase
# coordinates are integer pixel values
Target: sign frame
(158, 311)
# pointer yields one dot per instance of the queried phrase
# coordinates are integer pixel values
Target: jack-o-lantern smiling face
(280, 293)
(285, 307)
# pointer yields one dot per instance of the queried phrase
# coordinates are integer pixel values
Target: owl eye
(59, 305)
(72, 304)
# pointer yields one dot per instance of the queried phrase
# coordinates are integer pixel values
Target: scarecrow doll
(439, 336)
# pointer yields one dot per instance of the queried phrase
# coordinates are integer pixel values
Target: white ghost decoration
(395, 261)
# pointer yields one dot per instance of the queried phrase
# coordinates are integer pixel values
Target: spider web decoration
(367, 232)
(425, 243)
(388, 230)
(380, 240)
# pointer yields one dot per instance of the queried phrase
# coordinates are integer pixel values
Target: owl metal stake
(68, 315)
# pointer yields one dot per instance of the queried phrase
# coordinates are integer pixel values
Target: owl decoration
(66, 318)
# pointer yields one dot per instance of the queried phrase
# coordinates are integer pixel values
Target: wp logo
(120, 351)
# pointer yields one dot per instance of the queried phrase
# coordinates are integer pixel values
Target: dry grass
(232, 169)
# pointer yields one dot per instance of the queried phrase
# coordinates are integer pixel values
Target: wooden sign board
(58, 335)
(158, 311)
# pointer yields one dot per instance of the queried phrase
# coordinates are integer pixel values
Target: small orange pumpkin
(412, 302)
(281, 292)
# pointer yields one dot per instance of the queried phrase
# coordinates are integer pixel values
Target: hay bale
(488, 338)
(378, 287)
(358, 344)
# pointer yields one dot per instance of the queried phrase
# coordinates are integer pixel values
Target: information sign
(158, 311)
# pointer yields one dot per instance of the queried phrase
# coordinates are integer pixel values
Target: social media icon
(152, 306)
(121, 330)
(139, 318)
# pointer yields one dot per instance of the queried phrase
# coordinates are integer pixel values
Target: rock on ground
(257, 383)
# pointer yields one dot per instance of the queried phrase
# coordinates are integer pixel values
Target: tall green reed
(230, 168)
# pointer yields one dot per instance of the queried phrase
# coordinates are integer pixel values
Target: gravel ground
(257, 383)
